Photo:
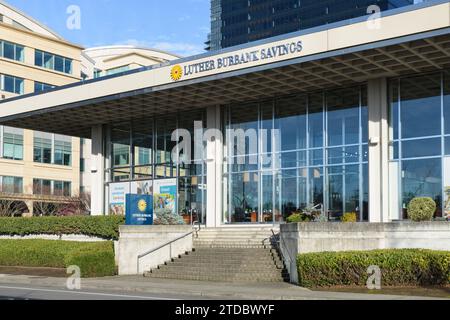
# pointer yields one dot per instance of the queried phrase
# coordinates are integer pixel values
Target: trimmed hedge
(105, 227)
(95, 259)
(399, 267)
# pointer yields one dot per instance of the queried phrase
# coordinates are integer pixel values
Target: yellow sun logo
(142, 205)
(176, 73)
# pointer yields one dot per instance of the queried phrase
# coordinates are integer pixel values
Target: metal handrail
(168, 243)
(279, 242)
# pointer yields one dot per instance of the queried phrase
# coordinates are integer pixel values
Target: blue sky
(179, 26)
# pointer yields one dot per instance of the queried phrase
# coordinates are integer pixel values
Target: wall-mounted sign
(222, 63)
(139, 209)
(118, 191)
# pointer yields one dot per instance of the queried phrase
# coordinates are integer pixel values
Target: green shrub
(105, 227)
(349, 217)
(421, 209)
(95, 259)
(294, 218)
(405, 267)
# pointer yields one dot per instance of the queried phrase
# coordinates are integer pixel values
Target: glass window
(421, 148)
(245, 118)
(315, 120)
(42, 149)
(38, 58)
(290, 119)
(422, 178)
(12, 185)
(447, 102)
(19, 53)
(447, 146)
(39, 86)
(12, 84)
(244, 202)
(343, 117)
(8, 50)
(63, 152)
(421, 106)
(8, 84)
(53, 62)
(67, 65)
(58, 188)
(13, 143)
(42, 187)
(67, 189)
(59, 63)
(364, 115)
(117, 70)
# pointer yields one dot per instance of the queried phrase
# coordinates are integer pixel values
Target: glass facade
(235, 22)
(142, 151)
(419, 121)
(311, 150)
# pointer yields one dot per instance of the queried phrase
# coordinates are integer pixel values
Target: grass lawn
(95, 259)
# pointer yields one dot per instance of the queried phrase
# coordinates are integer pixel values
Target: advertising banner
(117, 192)
(139, 210)
(165, 194)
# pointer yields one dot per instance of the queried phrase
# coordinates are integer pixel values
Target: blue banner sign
(139, 210)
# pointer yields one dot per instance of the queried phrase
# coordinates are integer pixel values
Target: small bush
(295, 218)
(405, 267)
(95, 259)
(349, 217)
(167, 217)
(421, 209)
(105, 227)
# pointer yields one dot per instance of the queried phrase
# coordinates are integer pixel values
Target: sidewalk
(197, 289)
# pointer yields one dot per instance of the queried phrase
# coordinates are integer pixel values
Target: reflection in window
(416, 140)
(12, 185)
(422, 178)
(12, 143)
(43, 148)
(11, 51)
(11, 84)
(295, 178)
(51, 61)
(420, 112)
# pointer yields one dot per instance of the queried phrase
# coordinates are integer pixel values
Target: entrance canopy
(413, 39)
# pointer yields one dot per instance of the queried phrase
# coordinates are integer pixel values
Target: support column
(378, 150)
(97, 172)
(214, 167)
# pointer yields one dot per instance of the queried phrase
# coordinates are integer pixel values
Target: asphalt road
(31, 292)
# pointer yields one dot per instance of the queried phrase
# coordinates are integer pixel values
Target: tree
(11, 208)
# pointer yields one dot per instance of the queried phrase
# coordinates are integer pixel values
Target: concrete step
(221, 268)
(216, 279)
(243, 246)
(220, 274)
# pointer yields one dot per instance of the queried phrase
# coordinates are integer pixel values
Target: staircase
(228, 255)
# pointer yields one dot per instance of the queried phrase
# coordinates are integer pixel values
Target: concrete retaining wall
(320, 237)
(136, 240)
